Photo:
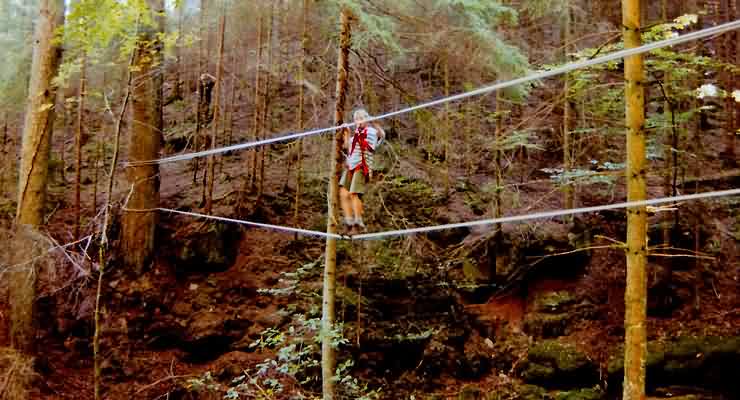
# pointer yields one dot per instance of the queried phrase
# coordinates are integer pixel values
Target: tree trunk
(568, 200)
(146, 137)
(447, 126)
(728, 81)
(78, 145)
(62, 155)
(301, 104)
(266, 105)
(737, 62)
(199, 89)
(669, 145)
(34, 166)
(216, 110)
(497, 203)
(328, 356)
(257, 103)
(229, 110)
(635, 349)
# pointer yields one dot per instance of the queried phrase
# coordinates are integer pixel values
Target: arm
(381, 132)
(345, 139)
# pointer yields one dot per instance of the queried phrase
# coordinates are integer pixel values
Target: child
(358, 167)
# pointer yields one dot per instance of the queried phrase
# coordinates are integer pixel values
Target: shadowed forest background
(109, 297)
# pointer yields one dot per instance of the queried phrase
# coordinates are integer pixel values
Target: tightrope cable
(546, 214)
(468, 224)
(307, 232)
(477, 92)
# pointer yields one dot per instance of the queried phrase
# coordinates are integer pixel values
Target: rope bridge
(477, 92)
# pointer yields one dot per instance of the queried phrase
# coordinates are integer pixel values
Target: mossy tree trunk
(635, 350)
(138, 227)
(328, 356)
(34, 167)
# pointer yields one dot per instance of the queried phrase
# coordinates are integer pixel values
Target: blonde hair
(360, 113)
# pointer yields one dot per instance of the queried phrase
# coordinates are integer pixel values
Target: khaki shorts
(357, 183)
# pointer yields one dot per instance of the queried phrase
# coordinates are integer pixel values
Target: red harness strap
(360, 137)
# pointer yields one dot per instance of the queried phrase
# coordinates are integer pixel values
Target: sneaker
(348, 225)
(360, 225)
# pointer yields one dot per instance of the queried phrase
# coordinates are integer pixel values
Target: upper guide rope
(477, 92)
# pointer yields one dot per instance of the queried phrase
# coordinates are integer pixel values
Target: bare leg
(357, 206)
(346, 201)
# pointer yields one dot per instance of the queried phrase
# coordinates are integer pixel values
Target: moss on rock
(554, 364)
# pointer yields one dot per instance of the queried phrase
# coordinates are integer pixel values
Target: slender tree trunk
(635, 349)
(301, 104)
(257, 103)
(729, 46)
(266, 98)
(78, 145)
(139, 226)
(216, 110)
(668, 142)
(62, 155)
(568, 199)
(498, 180)
(5, 130)
(736, 127)
(34, 166)
(96, 173)
(199, 88)
(229, 124)
(447, 126)
(328, 356)
(178, 53)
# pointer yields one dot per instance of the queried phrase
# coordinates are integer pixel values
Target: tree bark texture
(34, 170)
(328, 356)
(39, 119)
(144, 143)
(635, 349)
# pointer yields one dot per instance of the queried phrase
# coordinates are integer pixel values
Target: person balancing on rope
(358, 168)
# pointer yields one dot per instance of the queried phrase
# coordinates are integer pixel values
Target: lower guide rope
(468, 224)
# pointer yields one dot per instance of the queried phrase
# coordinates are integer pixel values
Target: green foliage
(94, 27)
(385, 23)
(297, 360)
